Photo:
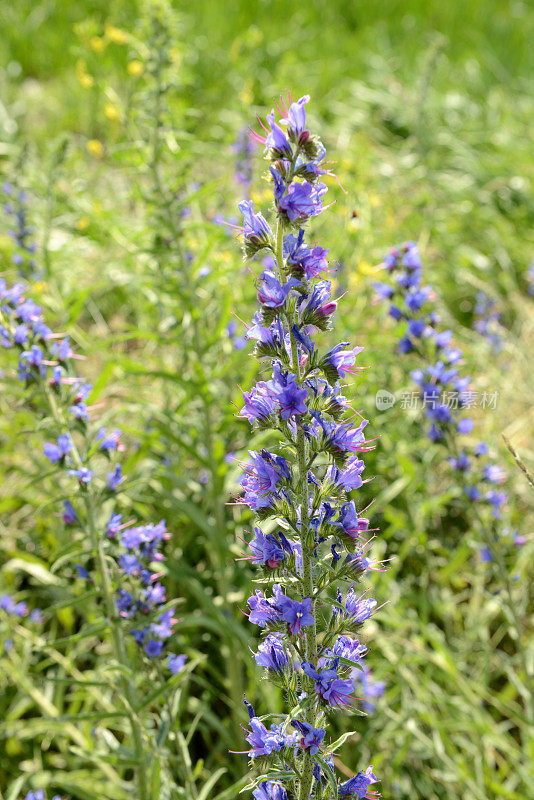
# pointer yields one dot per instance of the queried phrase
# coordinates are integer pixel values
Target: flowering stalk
(309, 649)
(446, 395)
(22, 233)
(129, 586)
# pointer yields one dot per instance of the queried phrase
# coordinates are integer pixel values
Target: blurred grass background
(427, 110)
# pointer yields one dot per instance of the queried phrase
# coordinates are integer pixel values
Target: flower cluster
(15, 206)
(440, 379)
(46, 362)
(310, 540)
(244, 149)
(488, 321)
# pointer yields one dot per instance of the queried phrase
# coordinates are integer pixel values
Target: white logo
(384, 399)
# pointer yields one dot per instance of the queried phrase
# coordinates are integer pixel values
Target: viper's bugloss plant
(244, 150)
(445, 392)
(310, 541)
(488, 321)
(446, 395)
(120, 562)
(21, 232)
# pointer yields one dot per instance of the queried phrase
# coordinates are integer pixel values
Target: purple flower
(261, 478)
(348, 648)
(359, 609)
(302, 259)
(69, 514)
(256, 231)
(266, 549)
(302, 200)
(263, 742)
(496, 499)
(272, 654)
(276, 139)
(297, 614)
(271, 293)
(311, 737)
(129, 563)
(350, 477)
(337, 362)
(334, 690)
(152, 648)
(258, 403)
(36, 616)
(268, 790)
(108, 441)
(262, 610)
(57, 452)
(124, 602)
(292, 400)
(296, 117)
(115, 478)
(113, 525)
(493, 473)
(465, 425)
(357, 786)
(347, 439)
(20, 334)
(83, 474)
(8, 605)
(349, 520)
(176, 663)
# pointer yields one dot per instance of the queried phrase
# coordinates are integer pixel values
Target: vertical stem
(235, 681)
(119, 649)
(310, 634)
(493, 540)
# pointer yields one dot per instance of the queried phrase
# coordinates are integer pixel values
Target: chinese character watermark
(451, 400)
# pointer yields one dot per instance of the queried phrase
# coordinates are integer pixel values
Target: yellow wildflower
(95, 148)
(135, 68)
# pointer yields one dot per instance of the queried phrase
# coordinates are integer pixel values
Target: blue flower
(258, 403)
(311, 737)
(297, 614)
(296, 117)
(271, 293)
(264, 741)
(256, 231)
(358, 785)
(276, 140)
(108, 441)
(268, 790)
(176, 663)
(266, 549)
(84, 475)
(152, 648)
(272, 654)
(334, 690)
(69, 514)
(302, 200)
(57, 452)
(115, 478)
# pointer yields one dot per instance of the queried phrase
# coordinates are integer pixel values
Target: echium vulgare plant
(120, 561)
(15, 208)
(311, 546)
(446, 395)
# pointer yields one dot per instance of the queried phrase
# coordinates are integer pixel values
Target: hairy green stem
(119, 649)
(310, 637)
